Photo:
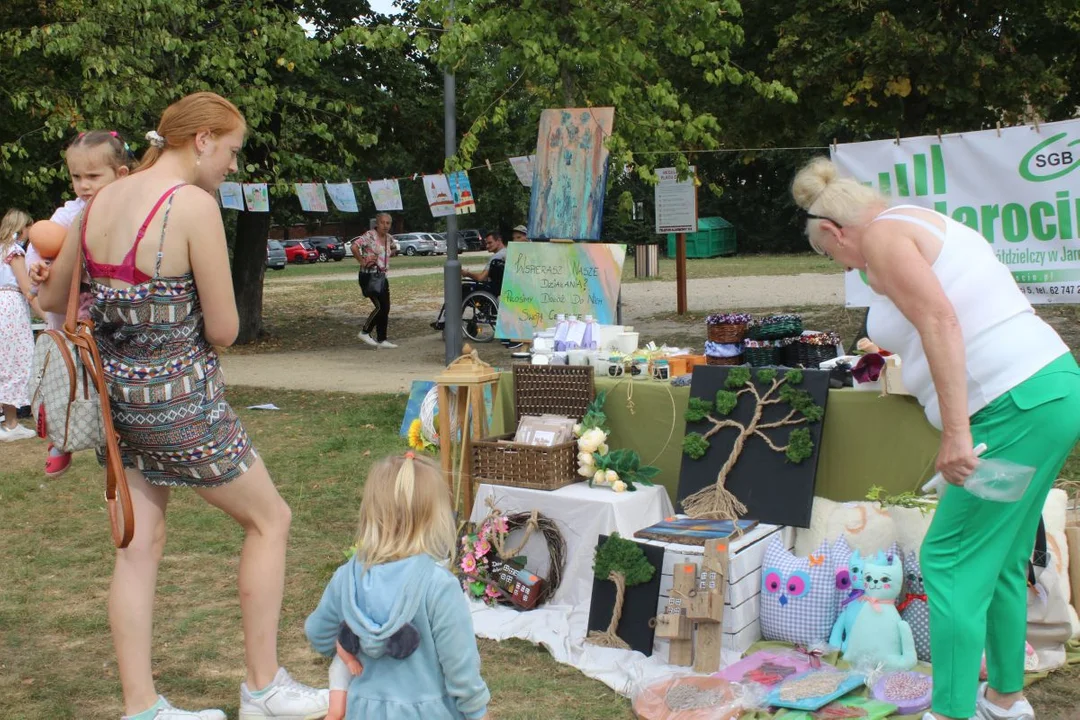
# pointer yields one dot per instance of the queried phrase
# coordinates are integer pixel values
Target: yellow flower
(416, 435)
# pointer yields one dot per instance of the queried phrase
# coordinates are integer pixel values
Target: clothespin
(1035, 119)
(939, 134)
(414, 175)
(488, 163)
(999, 128)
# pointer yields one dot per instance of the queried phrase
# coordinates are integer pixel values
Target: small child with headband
(94, 159)
(398, 610)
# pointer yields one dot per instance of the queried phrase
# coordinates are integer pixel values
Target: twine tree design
(624, 563)
(716, 501)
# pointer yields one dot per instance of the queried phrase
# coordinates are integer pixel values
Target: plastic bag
(994, 479)
(695, 697)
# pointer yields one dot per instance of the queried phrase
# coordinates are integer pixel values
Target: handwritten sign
(545, 279)
(676, 202)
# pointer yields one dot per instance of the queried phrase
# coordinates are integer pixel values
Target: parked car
(415, 244)
(328, 247)
(439, 240)
(472, 238)
(275, 255)
(298, 251)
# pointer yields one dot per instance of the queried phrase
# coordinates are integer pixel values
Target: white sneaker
(986, 710)
(386, 344)
(368, 339)
(18, 432)
(284, 699)
(165, 711)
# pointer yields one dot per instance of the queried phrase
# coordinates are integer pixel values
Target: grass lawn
(738, 266)
(56, 657)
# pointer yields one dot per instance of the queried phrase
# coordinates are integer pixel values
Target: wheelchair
(479, 306)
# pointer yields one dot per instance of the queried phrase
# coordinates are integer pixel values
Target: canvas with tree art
(626, 590)
(752, 443)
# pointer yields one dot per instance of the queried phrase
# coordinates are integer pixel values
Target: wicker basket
(726, 334)
(538, 389)
(774, 327)
(812, 354)
(760, 355)
(713, 360)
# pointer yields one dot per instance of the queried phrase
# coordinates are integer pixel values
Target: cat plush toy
(870, 629)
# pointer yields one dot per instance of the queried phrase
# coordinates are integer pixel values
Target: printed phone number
(1073, 289)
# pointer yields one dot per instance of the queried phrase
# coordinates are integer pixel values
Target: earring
(198, 160)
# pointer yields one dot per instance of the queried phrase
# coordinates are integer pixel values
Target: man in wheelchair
(480, 296)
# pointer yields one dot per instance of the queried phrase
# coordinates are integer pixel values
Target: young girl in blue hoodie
(411, 622)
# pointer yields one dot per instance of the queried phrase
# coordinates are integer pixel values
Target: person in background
(986, 369)
(494, 243)
(372, 251)
(16, 335)
(520, 234)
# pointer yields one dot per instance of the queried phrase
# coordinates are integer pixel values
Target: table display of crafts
(619, 469)
(779, 339)
(495, 572)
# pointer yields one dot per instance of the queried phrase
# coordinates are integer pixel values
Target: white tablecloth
(582, 514)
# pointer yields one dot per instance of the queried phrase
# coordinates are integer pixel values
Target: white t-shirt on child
(67, 214)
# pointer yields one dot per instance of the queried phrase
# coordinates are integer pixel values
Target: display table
(582, 514)
(867, 439)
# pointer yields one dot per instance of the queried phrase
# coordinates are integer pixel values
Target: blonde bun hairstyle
(819, 189)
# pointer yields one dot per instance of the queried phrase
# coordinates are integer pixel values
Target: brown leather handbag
(70, 402)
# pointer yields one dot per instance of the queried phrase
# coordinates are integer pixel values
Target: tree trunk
(609, 638)
(248, 268)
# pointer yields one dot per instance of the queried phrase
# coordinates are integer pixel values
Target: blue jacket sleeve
(322, 625)
(455, 645)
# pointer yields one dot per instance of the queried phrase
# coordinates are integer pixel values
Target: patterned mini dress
(164, 378)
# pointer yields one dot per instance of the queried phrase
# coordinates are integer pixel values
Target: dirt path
(364, 369)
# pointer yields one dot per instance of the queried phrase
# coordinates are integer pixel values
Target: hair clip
(155, 139)
(410, 455)
(80, 136)
(114, 133)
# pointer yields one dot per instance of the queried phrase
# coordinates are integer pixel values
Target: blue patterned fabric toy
(914, 609)
(870, 629)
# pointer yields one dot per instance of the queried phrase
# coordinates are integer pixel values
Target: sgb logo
(1051, 159)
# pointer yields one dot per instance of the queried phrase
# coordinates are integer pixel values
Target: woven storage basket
(736, 360)
(774, 327)
(538, 389)
(788, 352)
(766, 354)
(726, 333)
(812, 354)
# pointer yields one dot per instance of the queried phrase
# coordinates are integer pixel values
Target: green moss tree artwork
(624, 563)
(767, 387)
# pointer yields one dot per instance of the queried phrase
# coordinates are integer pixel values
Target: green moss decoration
(697, 410)
(624, 556)
(799, 446)
(737, 378)
(766, 375)
(695, 445)
(793, 377)
(726, 401)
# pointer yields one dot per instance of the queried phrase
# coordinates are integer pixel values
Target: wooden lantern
(469, 374)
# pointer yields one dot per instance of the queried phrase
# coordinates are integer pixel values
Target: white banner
(1019, 188)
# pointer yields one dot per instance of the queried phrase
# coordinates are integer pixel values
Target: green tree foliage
(800, 446)
(134, 57)
(695, 445)
(726, 400)
(697, 409)
(619, 555)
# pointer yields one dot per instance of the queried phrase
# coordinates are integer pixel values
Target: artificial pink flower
(468, 564)
(501, 526)
(491, 592)
(481, 548)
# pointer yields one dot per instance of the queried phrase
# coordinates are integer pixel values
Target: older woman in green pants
(986, 369)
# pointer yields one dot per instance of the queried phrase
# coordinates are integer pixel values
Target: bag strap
(72, 315)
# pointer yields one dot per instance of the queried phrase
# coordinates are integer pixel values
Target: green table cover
(867, 439)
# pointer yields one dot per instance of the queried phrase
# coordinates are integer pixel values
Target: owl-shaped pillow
(842, 572)
(798, 595)
(913, 607)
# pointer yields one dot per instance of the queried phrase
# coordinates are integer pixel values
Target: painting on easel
(570, 173)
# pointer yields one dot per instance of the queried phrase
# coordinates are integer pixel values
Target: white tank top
(1005, 343)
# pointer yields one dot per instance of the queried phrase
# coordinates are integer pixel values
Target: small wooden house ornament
(469, 374)
(674, 624)
(710, 589)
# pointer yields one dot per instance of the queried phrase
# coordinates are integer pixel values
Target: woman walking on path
(159, 308)
(372, 251)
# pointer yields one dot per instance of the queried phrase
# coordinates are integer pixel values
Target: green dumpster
(715, 237)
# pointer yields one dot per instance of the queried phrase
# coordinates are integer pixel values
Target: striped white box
(742, 605)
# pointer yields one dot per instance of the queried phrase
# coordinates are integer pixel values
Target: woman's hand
(956, 459)
(39, 272)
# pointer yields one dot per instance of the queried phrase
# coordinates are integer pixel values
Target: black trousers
(379, 319)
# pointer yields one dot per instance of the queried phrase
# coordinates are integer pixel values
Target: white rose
(602, 449)
(577, 429)
(611, 476)
(618, 486)
(586, 471)
(596, 437)
(598, 478)
(585, 458)
(586, 445)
